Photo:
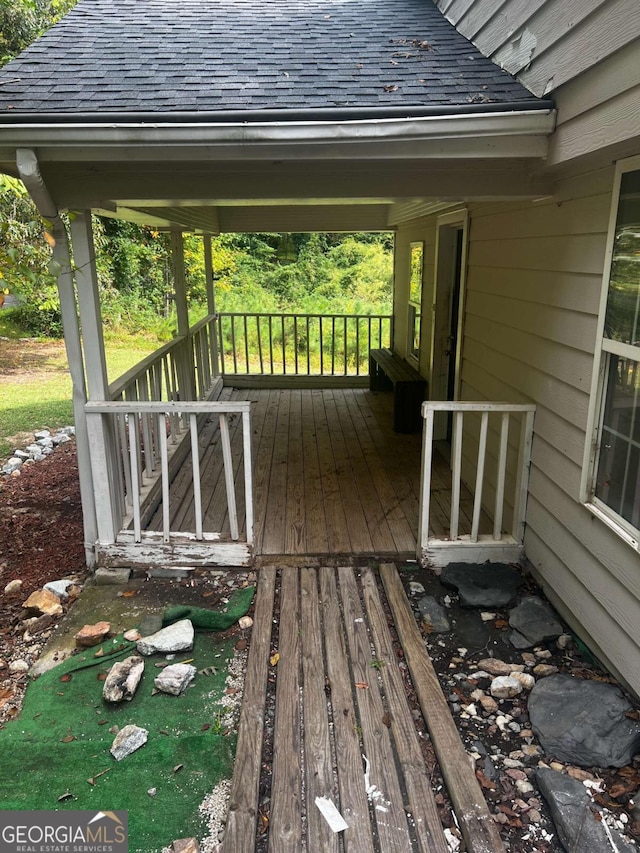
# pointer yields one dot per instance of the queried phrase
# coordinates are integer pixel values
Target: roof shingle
(209, 55)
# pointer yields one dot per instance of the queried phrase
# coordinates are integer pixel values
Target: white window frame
(604, 345)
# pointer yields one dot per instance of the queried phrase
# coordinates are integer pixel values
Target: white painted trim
(603, 513)
(509, 131)
(440, 553)
(589, 464)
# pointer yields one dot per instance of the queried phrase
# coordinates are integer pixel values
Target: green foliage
(22, 21)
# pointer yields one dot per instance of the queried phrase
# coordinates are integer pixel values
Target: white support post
(211, 304)
(425, 482)
(248, 474)
(69, 311)
(182, 311)
(104, 465)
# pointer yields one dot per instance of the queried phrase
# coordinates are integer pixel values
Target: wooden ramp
(343, 729)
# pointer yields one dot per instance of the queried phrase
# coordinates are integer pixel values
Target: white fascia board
(502, 134)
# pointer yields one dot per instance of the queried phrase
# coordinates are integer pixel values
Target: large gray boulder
(482, 584)
(583, 722)
(572, 809)
(533, 621)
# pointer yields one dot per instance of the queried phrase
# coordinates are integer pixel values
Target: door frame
(444, 313)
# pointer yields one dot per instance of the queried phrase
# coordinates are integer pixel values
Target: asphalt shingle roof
(132, 56)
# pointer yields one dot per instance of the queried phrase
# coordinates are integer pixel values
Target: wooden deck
(343, 730)
(330, 476)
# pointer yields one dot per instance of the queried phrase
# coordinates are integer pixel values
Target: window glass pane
(618, 480)
(415, 292)
(623, 305)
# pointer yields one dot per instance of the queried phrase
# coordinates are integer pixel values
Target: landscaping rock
(19, 666)
(103, 577)
(505, 687)
(185, 845)
(482, 585)
(583, 722)
(11, 465)
(174, 638)
(175, 679)
(41, 434)
(534, 620)
(127, 741)
(59, 588)
(13, 587)
(572, 809)
(123, 679)
(434, 614)
(495, 666)
(45, 602)
(91, 635)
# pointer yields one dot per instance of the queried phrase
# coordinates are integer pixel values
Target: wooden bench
(387, 371)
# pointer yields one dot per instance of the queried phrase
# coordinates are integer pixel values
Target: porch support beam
(29, 171)
(101, 440)
(187, 382)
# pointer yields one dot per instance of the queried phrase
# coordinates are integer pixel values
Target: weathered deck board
(330, 476)
(285, 832)
(343, 729)
(478, 827)
(243, 803)
(319, 780)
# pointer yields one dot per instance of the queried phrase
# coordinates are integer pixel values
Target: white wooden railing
(148, 433)
(182, 369)
(500, 465)
(300, 344)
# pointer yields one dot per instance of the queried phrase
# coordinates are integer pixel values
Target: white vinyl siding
(534, 283)
(585, 54)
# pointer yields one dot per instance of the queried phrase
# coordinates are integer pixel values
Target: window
(615, 464)
(415, 297)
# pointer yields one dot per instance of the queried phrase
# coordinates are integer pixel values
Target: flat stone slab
(174, 638)
(482, 584)
(176, 678)
(533, 621)
(104, 577)
(572, 810)
(127, 741)
(434, 614)
(123, 679)
(583, 722)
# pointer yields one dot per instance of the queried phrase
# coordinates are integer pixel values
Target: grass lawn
(35, 386)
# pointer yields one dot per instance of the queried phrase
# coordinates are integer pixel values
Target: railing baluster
(477, 498)
(246, 345)
(308, 348)
(164, 466)
(284, 353)
(501, 476)
(522, 482)
(271, 341)
(135, 476)
(333, 345)
(321, 349)
(221, 346)
(228, 476)
(122, 428)
(248, 476)
(233, 343)
(357, 346)
(368, 337)
(344, 335)
(456, 475)
(257, 316)
(195, 463)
